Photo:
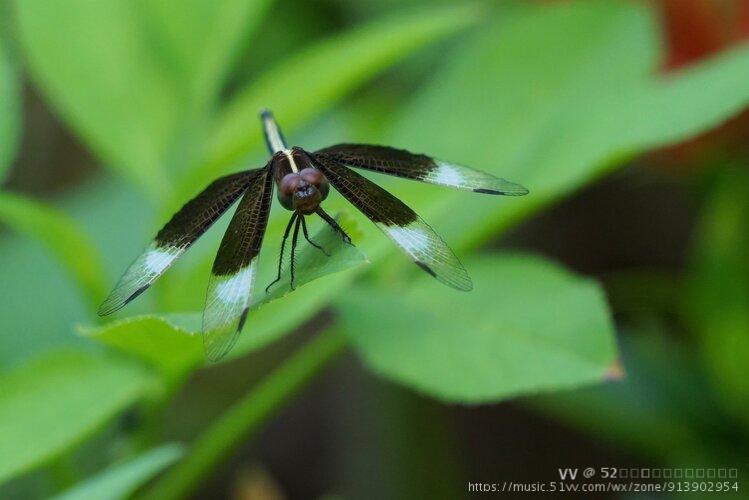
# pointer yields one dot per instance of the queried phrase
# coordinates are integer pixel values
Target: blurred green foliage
(716, 304)
(61, 235)
(553, 97)
(10, 112)
(121, 480)
(58, 399)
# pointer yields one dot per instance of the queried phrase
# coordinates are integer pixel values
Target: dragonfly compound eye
(290, 183)
(317, 179)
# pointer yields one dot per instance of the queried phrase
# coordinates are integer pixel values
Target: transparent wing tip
(504, 187)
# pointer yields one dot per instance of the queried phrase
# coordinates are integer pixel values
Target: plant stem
(245, 417)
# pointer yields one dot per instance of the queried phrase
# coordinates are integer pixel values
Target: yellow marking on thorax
(292, 163)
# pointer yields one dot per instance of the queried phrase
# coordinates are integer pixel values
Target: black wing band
(233, 275)
(401, 224)
(184, 228)
(418, 167)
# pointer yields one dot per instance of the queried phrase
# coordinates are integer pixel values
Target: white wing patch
(448, 175)
(158, 260)
(411, 237)
(458, 176)
(430, 252)
(142, 272)
(226, 306)
(227, 290)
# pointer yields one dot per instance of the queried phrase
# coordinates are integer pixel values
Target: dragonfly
(302, 180)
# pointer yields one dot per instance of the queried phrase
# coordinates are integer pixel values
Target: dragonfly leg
(280, 257)
(338, 229)
(293, 250)
(306, 237)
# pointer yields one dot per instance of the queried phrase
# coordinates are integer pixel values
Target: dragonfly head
(303, 191)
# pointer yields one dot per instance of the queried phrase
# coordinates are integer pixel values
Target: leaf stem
(244, 418)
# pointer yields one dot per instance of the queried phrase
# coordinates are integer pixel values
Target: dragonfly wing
(418, 167)
(233, 274)
(401, 224)
(184, 228)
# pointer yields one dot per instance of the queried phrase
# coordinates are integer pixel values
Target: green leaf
(172, 342)
(528, 326)
(10, 112)
(53, 402)
(716, 305)
(61, 234)
(135, 79)
(566, 93)
(270, 319)
(312, 263)
(121, 480)
(340, 64)
(169, 342)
